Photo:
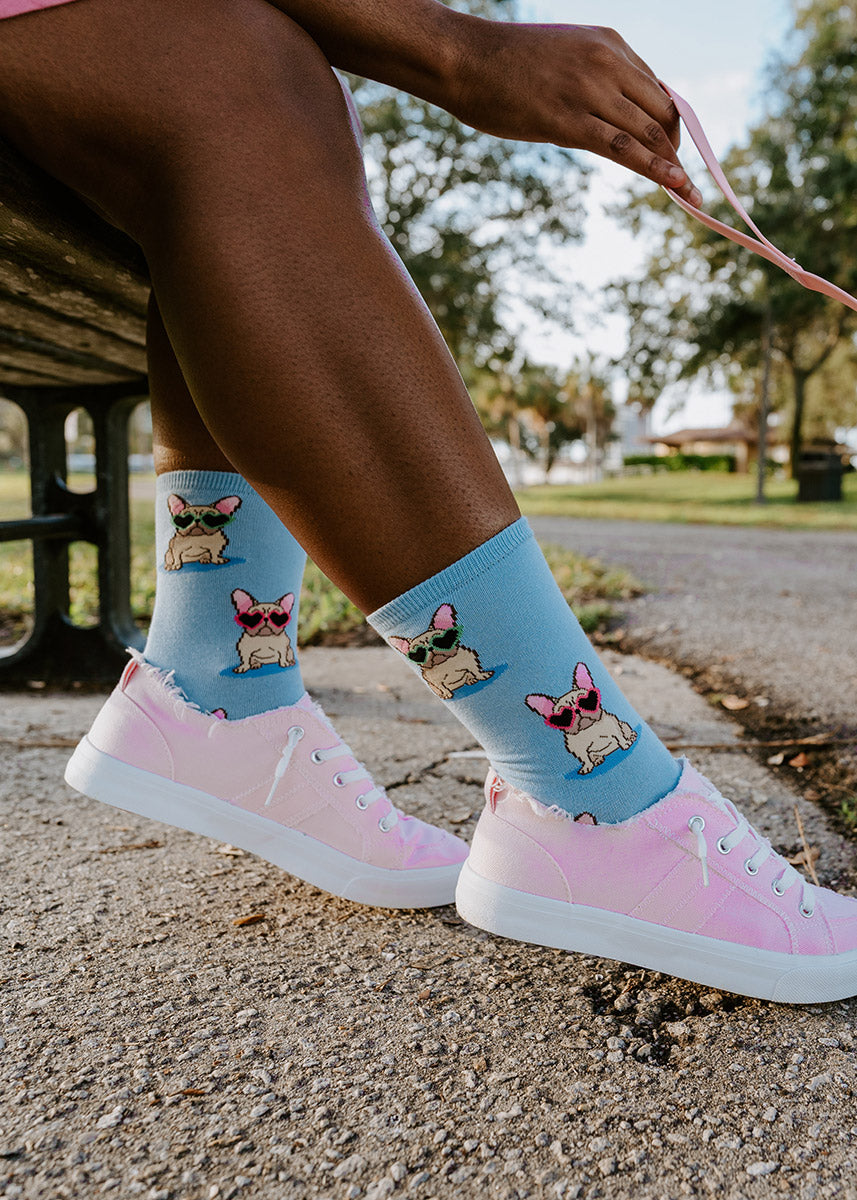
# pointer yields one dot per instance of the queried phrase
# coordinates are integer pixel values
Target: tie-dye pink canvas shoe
(686, 887)
(281, 785)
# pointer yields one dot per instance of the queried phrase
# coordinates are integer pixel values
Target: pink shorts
(14, 8)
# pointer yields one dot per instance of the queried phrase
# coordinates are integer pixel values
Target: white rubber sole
(727, 966)
(102, 777)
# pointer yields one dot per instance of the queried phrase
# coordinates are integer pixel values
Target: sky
(714, 53)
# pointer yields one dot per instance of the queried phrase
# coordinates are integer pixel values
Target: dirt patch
(825, 774)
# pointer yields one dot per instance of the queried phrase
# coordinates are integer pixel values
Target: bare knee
(141, 103)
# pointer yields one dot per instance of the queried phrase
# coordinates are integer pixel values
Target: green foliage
(474, 218)
(701, 302)
(539, 409)
(325, 613)
(682, 462)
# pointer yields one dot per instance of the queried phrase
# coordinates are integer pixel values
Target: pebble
(770, 1114)
(607, 1166)
(112, 1119)
(380, 1188)
(762, 1168)
(351, 1167)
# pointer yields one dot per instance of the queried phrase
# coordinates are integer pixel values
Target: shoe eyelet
(360, 804)
(778, 891)
(299, 730)
(338, 781)
(723, 849)
(315, 758)
(384, 828)
(696, 824)
(806, 912)
(751, 870)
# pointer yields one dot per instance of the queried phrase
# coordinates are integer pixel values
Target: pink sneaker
(281, 785)
(686, 887)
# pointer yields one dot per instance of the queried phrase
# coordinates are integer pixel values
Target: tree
(538, 411)
(701, 304)
(472, 217)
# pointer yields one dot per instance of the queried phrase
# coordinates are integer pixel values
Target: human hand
(579, 86)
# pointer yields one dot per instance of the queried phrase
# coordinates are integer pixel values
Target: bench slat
(73, 290)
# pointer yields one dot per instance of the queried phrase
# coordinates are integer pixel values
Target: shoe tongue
(692, 781)
(309, 705)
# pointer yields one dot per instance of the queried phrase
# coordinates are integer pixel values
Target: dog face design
(263, 638)
(199, 536)
(590, 732)
(445, 664)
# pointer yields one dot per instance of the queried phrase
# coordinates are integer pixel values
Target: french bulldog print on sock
(590, 732)
(199, 536)
(445, 664)
(263, 639)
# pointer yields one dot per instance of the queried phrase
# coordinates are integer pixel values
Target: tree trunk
(799, 379)
(764, 405)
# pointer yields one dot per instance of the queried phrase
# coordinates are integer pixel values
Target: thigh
(105, 94)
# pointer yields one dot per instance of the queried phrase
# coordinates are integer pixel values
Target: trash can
(819, 475)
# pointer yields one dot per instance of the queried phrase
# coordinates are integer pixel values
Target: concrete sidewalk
(152, 1047)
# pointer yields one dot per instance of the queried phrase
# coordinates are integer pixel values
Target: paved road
(151, 1048)
(773, 611)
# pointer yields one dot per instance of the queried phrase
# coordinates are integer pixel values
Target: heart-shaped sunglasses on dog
(252, 620)
(758, 244)
(212, 521)
(568, 716)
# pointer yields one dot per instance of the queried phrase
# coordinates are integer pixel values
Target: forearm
(579, 86)
(415, 45)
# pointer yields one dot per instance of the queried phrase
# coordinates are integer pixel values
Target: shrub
(682, 462)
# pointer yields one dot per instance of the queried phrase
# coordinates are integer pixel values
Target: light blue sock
(493, 636)
(226, 602)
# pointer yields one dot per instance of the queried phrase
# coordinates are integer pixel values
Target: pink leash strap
(759, 244)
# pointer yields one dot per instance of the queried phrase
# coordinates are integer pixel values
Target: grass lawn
(703, 497)
(325, 613)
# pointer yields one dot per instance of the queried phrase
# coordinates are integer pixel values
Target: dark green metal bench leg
(57, 649)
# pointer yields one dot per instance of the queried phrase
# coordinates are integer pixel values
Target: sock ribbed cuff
(434, 591)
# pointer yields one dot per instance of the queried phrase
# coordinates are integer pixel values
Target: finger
(642, 125)
(649, 94)
(623, 148)
(648, 91)
(674, 124)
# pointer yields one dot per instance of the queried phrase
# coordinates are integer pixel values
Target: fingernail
(696, 197)
(677, 175)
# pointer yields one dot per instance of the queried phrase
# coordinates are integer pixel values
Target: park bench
(73, 294)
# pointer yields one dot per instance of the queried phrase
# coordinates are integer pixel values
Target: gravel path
(152, 1047)
(773, 611)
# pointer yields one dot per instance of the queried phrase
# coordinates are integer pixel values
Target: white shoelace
(779, 886)
(294, 736)
(340, 779)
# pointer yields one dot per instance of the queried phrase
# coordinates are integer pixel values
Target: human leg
(312, 360)
(382, 469)
(265, 256)
(228, 571)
